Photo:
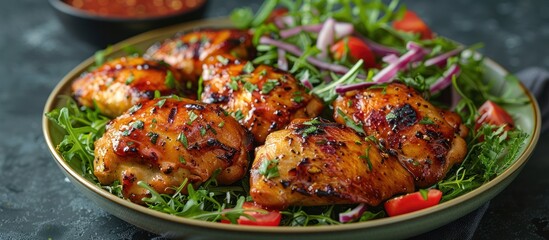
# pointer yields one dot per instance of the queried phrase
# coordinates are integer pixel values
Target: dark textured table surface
(37, 201)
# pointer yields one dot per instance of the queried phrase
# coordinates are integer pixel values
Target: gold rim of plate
(64, 85)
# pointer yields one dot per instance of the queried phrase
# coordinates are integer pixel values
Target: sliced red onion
(325, 38)
(419, 48)
(296, 51)
(284, 21)
(341, 89)
(378, 49)
(296, 30)
(391, 58)
(413, 46)
(389, 72)
(279, 23)
(307, 83)
(440, 60)
(328, 66)
(279, 44)
(446, 79)
(353, 214)
(342, 29)
(282, 61)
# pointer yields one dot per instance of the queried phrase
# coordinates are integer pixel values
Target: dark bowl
(102, 31)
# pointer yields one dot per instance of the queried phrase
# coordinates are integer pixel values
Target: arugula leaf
(82, 126)
(485, 160)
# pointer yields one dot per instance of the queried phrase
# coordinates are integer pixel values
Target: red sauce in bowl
(134, 8)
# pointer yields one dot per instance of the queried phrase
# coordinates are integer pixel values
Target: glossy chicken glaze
(262, 98)
(165, 141)
(119, 84)
(324, 163)
(187, 51)
(425, 139)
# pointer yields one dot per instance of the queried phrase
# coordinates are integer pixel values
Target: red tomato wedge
(493, 114)
(279, 12)
(412, 202)
(412, 23)
(272, 218)
(357, 50)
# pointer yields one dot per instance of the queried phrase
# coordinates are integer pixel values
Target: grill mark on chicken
(119, 84)
(187, 51)
(392, 115)
(171, 116)
(158, 144)
(402, 117)
(263, 97)
(325, 168)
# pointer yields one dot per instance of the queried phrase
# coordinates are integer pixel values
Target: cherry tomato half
(412, 202)
(412, 23)
(278, 12)
(272, 218)
(357, 50)
(493, 114)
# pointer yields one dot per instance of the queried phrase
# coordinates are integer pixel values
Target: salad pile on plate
(335, 51)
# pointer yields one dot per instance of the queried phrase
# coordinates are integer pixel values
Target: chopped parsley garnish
(134, 108)
(130, 79)
(183, 139)
(221, 124)
(138, 124)
(233, 84)
(209, 127)
(161, 102)
(238, 115)
(250, 87)
(248, 68)
(169, 81)
(269, 86)
(366, 158)
(263, 72)
(390, 117)
(350, 123)
(269, 168)
(426, 121)
(222, 60)
(157, 94)
(202, 130)
(153, 137)
(182, 160)
(200, 87)
(297, 97)
(312, 127)
(192, 117)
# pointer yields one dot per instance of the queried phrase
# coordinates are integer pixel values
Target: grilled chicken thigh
(119, 84)
(187, 51)
(318, 163)
(425, 139)
(165, 141)
(262, 98)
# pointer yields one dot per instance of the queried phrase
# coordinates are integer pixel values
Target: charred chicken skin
(425, 139)
(262, 98)
(119, 84)
(313, 162)
(165, 141)
(187, 52)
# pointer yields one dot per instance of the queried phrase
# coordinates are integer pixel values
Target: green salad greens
(291, 41)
